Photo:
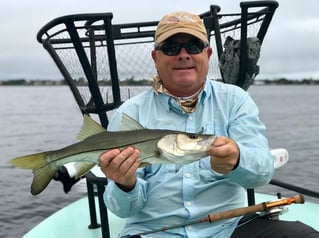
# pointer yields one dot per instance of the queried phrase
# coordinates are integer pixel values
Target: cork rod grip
(265, 206)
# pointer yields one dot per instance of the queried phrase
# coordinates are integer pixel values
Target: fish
(156, 147)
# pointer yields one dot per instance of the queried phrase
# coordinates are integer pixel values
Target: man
(182, 98)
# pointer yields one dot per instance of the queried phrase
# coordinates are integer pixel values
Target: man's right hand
(120, 166)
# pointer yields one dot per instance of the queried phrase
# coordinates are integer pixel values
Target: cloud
(290, 47)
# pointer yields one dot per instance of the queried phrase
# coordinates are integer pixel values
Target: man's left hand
(224, 155)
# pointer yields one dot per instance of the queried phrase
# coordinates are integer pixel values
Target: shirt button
(188, 203)
(188, 175)
(190, 118)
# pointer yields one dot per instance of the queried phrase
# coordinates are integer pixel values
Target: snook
(156, 147)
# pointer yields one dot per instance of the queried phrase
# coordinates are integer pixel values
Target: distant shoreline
(145, 82)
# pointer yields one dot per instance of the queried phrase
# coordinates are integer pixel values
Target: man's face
(182, 74)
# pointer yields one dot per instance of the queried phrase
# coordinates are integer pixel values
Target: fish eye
(193, 136)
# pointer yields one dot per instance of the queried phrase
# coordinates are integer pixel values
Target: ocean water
(34, 119)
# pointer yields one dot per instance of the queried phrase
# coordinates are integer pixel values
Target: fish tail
(43, 173)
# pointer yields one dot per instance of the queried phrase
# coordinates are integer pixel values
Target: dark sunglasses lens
(194, 47)
(171, 49)
(174, 48)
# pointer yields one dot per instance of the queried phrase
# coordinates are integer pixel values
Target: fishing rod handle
(298, 199)
(265, 206)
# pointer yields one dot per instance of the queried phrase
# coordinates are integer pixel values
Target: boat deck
(73, 220)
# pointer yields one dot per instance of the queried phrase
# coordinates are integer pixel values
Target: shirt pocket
(216, 125)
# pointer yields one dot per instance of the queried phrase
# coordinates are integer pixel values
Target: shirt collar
(170, 103)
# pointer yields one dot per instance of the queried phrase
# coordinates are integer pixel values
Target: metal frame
(99, 28)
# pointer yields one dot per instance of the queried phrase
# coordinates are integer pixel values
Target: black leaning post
(242, 73)
(92, 82)
(269, 12)
(93, 218)
(243, 58)
(214, 9)
(100, 110)
(270, 8)
(92, 181)
(103, 211)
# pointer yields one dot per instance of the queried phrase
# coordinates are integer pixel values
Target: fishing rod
(261, 207)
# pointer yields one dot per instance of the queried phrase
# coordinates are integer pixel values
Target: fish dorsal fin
(89, 128)
(129, 124)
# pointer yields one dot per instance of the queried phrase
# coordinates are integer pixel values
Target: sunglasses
(173, 48)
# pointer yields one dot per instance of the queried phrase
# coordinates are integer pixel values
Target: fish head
(183, 148)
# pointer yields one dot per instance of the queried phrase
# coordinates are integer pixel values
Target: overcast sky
(290, 48)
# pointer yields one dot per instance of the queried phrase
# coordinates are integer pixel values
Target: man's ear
(154, 56)
(209, 52)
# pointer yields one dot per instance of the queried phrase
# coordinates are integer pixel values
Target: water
(34, 119)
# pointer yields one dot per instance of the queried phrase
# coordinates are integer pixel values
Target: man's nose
(183, 54)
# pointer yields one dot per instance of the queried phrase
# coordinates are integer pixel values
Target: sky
(290, 48)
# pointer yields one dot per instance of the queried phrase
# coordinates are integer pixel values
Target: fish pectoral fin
(89, 128)
(82, 168)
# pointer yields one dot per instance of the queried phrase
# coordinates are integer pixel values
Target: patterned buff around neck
(187, 104)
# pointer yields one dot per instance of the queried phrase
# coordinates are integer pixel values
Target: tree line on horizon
(141, 82)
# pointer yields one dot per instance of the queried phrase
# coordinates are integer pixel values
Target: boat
(76, 219)
(73, 220)
(94, 55)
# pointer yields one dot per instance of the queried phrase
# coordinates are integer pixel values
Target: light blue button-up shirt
(169, 194)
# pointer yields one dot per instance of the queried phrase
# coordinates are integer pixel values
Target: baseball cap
(180, 22)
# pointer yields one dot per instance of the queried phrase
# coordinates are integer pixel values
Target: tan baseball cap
(180, 22)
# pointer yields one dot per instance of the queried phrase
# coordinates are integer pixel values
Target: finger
(130, 164)
(125, 176)
(224, 147)
(220, 141)
(106, 157)
(122, 157)
(219, 151)
(130, 170)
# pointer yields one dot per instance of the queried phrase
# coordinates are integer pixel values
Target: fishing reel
(274, 212)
